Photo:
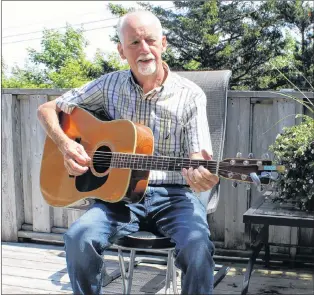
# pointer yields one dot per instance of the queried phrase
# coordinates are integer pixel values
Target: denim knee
(83, 238)
(196, 249)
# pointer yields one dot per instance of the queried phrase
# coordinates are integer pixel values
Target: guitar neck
(146, 162)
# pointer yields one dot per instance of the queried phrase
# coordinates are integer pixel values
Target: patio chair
(215, 85)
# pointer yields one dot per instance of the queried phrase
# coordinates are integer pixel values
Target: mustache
(145, 57)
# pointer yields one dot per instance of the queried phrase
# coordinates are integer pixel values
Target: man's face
(142, 45)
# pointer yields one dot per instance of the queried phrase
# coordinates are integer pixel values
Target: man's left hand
(200, 179)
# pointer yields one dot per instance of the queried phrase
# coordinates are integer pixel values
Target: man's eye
(135, 42)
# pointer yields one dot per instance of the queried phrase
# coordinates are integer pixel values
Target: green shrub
(294, 148)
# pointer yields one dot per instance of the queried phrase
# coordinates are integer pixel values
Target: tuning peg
(265, 156)
(255, 178)
(239, 155)
(271, 175)
(250, 156)
(234, 184)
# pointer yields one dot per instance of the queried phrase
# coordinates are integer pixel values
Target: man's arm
(198, 143)
(76, 159)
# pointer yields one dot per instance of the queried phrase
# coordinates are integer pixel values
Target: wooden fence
(250, 128)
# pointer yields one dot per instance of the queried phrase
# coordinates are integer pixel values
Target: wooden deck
(29, 268)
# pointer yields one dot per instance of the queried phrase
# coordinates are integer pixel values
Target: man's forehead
(140, 31)
(140, 34)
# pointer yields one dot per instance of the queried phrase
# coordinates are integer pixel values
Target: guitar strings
(110, 155)
(98, 155)
(107, 161)
(101, 159)
(105, 157)
(220, 170)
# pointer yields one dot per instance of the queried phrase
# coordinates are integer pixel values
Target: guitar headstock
(257, 171)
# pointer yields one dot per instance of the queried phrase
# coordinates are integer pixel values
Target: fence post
(42, 212)
(12, 192)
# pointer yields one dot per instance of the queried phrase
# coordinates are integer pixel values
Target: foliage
(298, 17)
(58, 48)
(294, 148)
(254, 39)
(244, 36)
(61, 63)
(29, 77)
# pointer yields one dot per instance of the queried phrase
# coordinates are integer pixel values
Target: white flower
(311, 181)
(294, 165)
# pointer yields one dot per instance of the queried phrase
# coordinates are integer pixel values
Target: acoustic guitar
(121, 155)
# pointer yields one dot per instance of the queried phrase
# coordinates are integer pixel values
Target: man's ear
(164, 43)
(120, 49)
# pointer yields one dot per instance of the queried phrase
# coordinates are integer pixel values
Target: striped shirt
(175, 112)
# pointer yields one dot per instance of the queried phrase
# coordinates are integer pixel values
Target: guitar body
(100, 139)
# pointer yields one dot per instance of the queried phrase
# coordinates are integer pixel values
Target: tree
(244, 36)
(62, 63)
(3, 72)
(298, 16)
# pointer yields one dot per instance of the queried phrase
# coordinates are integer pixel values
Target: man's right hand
(76, 160)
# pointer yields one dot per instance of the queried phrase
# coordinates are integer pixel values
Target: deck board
(29, 268)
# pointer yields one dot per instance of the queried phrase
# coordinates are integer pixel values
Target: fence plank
(42, 212)
(74, 214)
(26, 159)
(60, 217)
(12, 194)
(235, 199)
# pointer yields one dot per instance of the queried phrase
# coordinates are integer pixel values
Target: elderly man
(175, 109)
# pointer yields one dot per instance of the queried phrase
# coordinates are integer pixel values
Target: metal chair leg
(222, 272)
(130, 272)
(127, 276)
(169, 272)
(122, 269)
(174, 275)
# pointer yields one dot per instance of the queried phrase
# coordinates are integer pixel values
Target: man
(175, 109)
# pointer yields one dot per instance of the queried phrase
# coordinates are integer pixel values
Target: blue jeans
(173, 211)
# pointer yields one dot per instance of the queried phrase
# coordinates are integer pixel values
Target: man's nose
(144, 47)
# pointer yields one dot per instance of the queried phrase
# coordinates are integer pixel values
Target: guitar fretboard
(146, 162)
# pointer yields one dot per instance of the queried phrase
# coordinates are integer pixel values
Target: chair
(215, 85)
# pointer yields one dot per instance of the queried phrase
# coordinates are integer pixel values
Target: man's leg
(88, 237)
(179, 214)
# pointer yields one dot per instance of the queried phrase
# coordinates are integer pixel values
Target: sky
(25, 20)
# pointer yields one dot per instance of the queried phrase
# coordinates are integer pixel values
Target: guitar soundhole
(102, 159)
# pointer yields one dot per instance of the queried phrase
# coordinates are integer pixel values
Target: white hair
(141, 13)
